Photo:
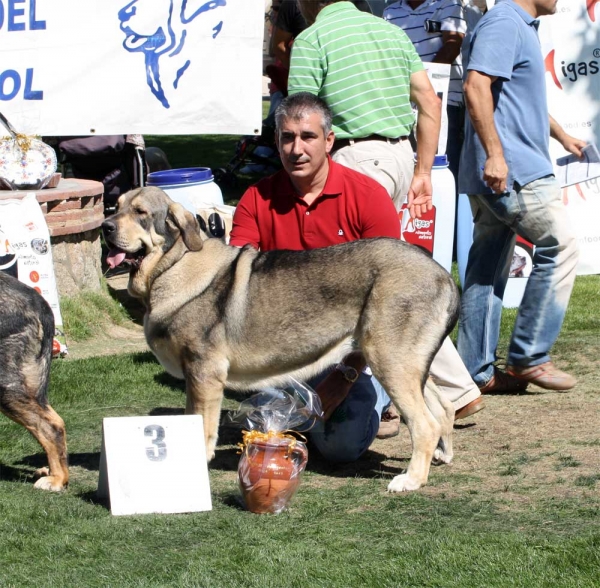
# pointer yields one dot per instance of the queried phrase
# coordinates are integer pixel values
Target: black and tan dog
(26, 334)
(222, 316)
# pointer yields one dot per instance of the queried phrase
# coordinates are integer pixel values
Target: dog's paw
(440, 457)
(50, 483)
(403, 483)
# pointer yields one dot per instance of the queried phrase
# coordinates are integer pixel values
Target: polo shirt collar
(529, 20)
(335, 7)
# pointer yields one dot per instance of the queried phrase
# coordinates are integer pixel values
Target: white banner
(571, 47)
(79, 67)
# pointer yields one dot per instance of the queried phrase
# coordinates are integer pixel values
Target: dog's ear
(187, 224)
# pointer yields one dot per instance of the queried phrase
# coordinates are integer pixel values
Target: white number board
(154, 464)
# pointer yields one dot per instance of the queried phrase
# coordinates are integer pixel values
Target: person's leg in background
(390, 164)
(456, 134)
(537, 214)
(545, 223)
(485, 280)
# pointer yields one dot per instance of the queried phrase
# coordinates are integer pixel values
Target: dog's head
(147, 226)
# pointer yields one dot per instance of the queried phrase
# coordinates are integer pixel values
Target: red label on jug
(418, 231)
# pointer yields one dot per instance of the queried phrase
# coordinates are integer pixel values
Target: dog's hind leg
(443, 411)
(204, 395)
(49, 430)
(403, 385)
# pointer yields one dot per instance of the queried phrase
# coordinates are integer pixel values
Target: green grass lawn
(519, 506)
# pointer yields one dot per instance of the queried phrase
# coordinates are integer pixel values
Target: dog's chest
(166, 350)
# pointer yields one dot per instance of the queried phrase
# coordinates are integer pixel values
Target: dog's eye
(140, 211)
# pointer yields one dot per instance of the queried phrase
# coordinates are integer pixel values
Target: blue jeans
(536, 213)
(352, 427)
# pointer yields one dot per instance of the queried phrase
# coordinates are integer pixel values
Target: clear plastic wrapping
(273, 459)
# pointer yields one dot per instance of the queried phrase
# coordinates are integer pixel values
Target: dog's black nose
(108, 227)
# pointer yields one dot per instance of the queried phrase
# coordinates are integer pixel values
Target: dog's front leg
(204, 395)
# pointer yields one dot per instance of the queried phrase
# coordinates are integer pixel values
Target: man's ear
(329, 141)
(187, 224)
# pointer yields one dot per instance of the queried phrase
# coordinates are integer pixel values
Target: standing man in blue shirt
(507, 172)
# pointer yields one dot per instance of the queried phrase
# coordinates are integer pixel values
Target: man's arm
(429, 107)
(571, 144)
(280, 46)
(306, 71)
(334, 388)
(480, 104)
(450, 50)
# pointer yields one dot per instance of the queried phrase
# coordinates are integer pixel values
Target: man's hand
(420, 193)
(332, 391)
(573, 145)
(495, 173)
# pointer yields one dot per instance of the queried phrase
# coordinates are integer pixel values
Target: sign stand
(154, 464)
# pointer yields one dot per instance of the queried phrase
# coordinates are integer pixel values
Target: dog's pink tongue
(115, 257)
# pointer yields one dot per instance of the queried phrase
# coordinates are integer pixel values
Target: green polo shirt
(361, 66)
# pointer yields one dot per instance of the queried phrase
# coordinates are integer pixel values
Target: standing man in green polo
(368, 72)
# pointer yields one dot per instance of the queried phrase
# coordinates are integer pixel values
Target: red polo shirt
(270, 215)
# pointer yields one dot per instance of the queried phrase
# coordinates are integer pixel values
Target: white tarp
(571, 47)
(79, 67)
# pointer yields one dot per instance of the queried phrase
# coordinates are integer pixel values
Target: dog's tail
(45, 354)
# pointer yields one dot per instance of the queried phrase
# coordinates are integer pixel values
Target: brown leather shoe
(503, 382)
(546, 375)
(469, 409)
(390, 423)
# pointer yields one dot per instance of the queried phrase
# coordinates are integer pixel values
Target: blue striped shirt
(451, 16)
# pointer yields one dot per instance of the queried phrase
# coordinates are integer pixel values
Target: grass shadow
(371, 464)
(169, 381)
(12, 474)
(143, 357)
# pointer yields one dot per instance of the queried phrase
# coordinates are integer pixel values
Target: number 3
(158, 451)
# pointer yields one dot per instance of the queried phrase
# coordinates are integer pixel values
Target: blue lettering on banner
(10, 85)
(35, 25)
(17, 18)
(14, 14)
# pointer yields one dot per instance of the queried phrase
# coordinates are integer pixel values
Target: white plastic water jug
(434, 231)
(193, 187)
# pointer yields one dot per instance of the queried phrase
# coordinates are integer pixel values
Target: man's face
(303, 146)
(544, 7)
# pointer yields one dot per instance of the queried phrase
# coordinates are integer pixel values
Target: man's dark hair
(301, 105)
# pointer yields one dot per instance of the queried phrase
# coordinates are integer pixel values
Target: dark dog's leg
(49, 430)
(204, 395)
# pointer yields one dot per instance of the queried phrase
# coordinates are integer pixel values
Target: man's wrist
(350, 374)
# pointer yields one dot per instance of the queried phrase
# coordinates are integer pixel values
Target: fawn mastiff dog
(26, 333)
(221, 316)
